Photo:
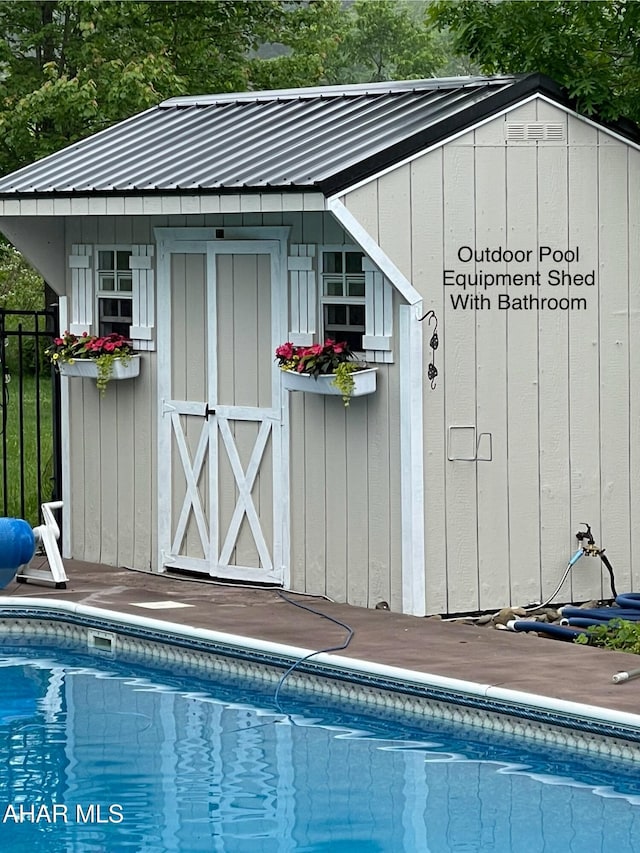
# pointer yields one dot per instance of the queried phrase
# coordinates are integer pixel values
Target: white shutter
(377, 338)
(143, 308)
(81, 289)
(302, 294)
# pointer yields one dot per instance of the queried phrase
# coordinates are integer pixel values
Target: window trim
(343, 248)
(99, 294)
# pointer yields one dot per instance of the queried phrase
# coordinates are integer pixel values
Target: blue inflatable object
(17, 547)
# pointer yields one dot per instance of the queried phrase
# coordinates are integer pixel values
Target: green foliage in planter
(105, 363)
(102, 350)
(330, 358)
(619, 635)
(344, 380)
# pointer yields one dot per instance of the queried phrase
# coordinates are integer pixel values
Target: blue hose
(629, 599)
(627, 606)
(562, 632)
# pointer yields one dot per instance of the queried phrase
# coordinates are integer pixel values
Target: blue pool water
(102, 756)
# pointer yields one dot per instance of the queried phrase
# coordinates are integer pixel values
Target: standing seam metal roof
(322, 138)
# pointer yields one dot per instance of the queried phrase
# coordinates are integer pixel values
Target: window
(114, 291)
(343, 296)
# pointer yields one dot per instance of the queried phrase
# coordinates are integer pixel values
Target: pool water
(97, 755)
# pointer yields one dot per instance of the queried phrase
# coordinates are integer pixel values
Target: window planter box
(88, 369)
(364, 382)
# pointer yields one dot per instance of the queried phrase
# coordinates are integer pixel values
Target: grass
(24, 468)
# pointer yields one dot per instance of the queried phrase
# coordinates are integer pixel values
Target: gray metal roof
(322, 138)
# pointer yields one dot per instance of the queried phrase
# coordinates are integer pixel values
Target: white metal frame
(272, 241)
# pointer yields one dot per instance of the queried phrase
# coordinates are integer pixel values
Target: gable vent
(534, 131)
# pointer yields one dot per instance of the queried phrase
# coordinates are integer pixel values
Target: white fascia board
(373, 250)
(454, 136)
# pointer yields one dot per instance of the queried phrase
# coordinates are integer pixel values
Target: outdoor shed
(476, 239)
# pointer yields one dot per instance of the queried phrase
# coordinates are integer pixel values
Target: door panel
(223, 409)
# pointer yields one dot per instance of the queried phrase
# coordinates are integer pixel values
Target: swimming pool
(101, 753)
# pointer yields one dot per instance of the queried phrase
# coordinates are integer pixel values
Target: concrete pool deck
(520, 662)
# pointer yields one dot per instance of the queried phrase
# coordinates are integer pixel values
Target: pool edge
(590, 720)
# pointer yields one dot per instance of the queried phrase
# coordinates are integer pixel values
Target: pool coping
(566, 723)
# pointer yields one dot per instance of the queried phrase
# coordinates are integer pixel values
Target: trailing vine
(344, 380)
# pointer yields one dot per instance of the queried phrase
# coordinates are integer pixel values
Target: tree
(71, 67)
(590, 48)
(389, 40)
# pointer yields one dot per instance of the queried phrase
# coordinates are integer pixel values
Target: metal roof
(322, 138)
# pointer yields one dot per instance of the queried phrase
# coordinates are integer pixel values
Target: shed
(485, 210)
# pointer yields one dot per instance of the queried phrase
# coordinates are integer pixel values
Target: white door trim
(251, 241)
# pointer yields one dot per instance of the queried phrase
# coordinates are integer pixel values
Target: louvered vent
(534, 131)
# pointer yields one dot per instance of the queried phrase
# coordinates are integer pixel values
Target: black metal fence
(30, 457)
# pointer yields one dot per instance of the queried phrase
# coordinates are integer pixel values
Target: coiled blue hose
(627, 606)
(561, 632)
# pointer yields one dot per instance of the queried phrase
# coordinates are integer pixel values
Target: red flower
(286, 351)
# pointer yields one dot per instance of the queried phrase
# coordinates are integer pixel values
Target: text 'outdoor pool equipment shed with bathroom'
(213, 229)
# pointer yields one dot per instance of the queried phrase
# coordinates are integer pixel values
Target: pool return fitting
(18, 543)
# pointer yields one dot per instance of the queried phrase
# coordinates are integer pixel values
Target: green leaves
(593, 49)
(618, 634)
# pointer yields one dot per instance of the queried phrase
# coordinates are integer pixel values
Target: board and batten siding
(345, 481)
(557, 390)
(344, 463)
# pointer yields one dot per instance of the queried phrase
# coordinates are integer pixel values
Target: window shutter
(143, 308)
(302, 294)
(81, 289)
(378, 314)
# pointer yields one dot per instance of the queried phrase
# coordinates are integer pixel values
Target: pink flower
(316, 349)
(286, 351)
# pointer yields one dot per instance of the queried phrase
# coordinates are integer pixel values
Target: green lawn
(22, 465)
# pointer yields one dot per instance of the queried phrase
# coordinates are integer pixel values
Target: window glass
(332, 262)
(123, 260)
(333, 287)
(114, 316)
(114, 277)
(336, 314)
(343, 296)
(105, 260)
(355, 286)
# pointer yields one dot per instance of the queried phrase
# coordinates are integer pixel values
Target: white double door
(222, 473)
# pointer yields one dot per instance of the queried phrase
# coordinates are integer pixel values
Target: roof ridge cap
(346, 90)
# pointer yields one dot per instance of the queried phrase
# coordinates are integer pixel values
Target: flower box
(364, 382)
(87, 368)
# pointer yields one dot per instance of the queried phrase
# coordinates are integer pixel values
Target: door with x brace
(222, 415)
